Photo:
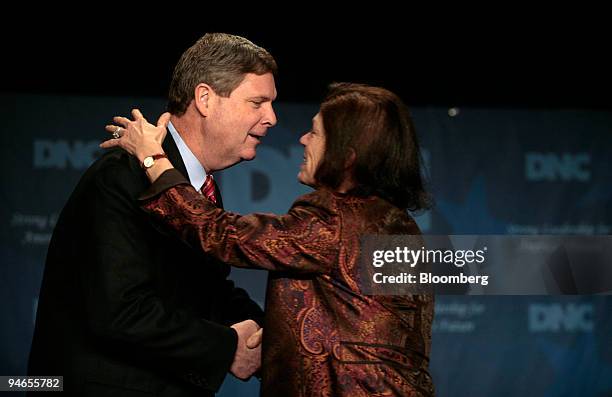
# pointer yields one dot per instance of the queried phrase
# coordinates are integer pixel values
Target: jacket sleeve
(306, 240)
(124, 307)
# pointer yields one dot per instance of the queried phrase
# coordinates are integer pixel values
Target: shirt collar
(195, 170)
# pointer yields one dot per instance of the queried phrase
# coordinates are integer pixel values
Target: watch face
(148, 161)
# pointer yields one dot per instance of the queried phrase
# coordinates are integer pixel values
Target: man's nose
(270, 117)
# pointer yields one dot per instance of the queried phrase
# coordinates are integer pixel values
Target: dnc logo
(555, 167)
(61, 154)
(555, 317)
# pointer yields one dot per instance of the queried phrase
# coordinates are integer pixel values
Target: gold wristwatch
(149, 161)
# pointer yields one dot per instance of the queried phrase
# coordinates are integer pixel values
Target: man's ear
(202, 98)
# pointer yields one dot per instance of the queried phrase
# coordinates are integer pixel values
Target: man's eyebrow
(262, 98)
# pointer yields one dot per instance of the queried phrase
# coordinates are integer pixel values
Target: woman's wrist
(161, 165)
(147, 151)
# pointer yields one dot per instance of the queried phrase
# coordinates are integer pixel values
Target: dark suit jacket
(326, 334)
(125, 309)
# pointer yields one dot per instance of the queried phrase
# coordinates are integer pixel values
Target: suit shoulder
(116, 169)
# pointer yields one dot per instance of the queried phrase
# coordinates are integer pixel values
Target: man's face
(314, 149)
(239, 122)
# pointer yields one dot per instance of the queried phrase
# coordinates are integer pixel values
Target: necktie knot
(208, 189)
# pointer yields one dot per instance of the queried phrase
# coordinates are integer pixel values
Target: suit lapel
(175, 158)
(174, 155)
(218, 195)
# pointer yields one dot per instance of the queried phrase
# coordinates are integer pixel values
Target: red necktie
(208, 189)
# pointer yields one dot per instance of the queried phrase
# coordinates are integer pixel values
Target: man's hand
(247, 360)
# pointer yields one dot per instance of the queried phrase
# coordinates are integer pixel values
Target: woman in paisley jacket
(324, 336)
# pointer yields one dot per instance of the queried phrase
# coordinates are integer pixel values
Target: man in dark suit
(126, 309)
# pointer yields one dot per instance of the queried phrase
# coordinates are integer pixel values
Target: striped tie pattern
(208, 189)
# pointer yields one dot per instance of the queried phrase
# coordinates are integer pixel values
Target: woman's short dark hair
(375, 124)
(219, 60)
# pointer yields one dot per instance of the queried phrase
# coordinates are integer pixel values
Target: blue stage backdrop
(492, 171)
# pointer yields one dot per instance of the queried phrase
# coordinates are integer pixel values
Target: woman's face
(314, 148)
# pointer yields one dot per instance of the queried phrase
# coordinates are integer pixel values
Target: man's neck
(188, 126)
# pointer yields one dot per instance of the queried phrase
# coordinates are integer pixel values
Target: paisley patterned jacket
(323, 336)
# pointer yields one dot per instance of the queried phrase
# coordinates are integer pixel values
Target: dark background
(496, 60)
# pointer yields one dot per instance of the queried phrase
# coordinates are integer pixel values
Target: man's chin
(248, 156)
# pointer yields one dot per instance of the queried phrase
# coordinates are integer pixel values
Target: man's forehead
(260, 87)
